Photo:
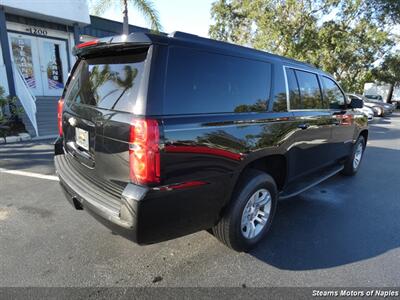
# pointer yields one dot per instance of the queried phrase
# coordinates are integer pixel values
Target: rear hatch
(99, 104)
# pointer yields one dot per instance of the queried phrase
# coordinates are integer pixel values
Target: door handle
(303, 126)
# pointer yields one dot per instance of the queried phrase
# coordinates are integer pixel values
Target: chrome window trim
(318, 74)
(338, 85)
(286, 88)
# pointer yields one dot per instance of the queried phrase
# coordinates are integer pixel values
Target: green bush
(15, 110)
(10, 121)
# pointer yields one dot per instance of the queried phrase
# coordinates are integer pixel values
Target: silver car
(377, 99)
(381, 109)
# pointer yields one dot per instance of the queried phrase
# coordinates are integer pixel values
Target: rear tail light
(59, 116)
(144, 154)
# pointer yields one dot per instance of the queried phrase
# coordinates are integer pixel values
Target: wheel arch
(364, 133)
(274, 164)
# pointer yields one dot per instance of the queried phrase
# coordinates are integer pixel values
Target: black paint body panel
(212, 148)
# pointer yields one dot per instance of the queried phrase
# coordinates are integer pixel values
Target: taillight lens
(59, 116)
(144, 154)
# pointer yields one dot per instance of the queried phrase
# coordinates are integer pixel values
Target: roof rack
(208, 41)
(196, 38)
(184, 35)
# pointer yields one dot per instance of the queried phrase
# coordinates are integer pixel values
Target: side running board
(309, 181)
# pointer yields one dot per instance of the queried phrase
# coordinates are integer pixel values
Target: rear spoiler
(132, 40)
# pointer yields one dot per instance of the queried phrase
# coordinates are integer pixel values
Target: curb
(15, 138)
(45, 137)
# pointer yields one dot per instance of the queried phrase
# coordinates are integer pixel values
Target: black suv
(162, 136)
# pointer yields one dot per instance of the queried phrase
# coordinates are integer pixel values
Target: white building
(36, 39)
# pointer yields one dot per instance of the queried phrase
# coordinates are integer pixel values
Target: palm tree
(146, 7)
(130, 75)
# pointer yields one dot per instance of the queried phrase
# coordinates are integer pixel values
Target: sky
(192, 16)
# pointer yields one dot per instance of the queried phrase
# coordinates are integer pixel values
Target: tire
(350, 166)
(255, 188)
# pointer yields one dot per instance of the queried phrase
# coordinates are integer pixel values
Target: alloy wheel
(357, 156)
(256, 213)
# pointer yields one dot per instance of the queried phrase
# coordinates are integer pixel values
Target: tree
(386, 9)
(125, 82)
(349, 52)
(343, 37)
(145, 7)
(389, 72)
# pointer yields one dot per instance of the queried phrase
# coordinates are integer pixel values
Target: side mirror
(356, 103)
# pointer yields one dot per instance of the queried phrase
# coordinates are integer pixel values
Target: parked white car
(367, 111)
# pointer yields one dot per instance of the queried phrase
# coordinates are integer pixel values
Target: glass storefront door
(26, 57)
(42, 62)
(53, 59)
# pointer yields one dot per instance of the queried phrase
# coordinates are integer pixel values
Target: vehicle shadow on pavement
(341, 221)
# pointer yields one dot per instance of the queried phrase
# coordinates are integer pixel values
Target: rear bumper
(97, 211)
(120, 218)
(142, 214)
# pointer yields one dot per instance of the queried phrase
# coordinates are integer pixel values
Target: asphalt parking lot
(344, 232)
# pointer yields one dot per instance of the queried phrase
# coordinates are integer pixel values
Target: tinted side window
(279, 96)
(333, 93)
(294, 92)
(202, 82)
(310, 92)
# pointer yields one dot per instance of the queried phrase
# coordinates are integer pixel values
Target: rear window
(107, 82)
(203, 82)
